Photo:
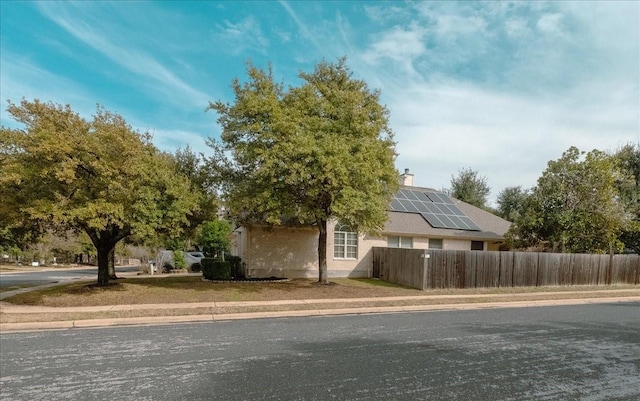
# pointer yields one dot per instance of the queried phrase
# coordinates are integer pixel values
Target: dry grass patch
(187, 289)
(190, 289)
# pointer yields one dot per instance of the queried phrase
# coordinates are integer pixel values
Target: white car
(164, 261)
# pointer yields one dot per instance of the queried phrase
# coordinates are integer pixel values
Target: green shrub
(214, 269)
(236, 266)
(179, 261)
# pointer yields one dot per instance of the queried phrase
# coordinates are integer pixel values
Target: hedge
(215, 269)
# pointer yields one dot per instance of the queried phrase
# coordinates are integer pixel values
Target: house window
(435, 243)
(399, 242)
(477, 245)
(345, 242)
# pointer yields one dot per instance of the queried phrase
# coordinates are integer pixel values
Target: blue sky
(499, 87)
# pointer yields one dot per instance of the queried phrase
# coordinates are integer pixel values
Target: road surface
(586, 352)
(37, 277)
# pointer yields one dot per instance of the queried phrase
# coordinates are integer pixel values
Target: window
(399, 242)
(345, 242)
(435, 243)
(477, 245)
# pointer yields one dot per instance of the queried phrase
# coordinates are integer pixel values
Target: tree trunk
(103, 264)
(105, 243)
(112, 264)
(322, 251)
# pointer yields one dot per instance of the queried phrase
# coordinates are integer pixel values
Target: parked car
(193, 260)
(164, 261)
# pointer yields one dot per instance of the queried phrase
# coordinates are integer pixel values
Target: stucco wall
(281, 252)
(361, 267)
(292, 252)
(456, 245)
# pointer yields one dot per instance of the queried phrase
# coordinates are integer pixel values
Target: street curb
(160, 320)
(25, 309)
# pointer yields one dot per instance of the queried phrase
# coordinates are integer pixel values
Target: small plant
(215, 269)
(179, 262)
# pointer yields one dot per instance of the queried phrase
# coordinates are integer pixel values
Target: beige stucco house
(419, 218)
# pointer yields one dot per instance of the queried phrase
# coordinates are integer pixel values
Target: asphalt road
(10, 279)
(587, 352)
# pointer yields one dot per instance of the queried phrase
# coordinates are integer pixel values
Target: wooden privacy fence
(434, 268)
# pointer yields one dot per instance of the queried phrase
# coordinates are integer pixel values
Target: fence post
(425, 270)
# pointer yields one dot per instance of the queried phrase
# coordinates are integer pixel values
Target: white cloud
(551, 24)
(506, 137)
(132, 59)
(401, 45)
(237, 38)
(169, 140)
(455, 25)
(304, 29)
(516, 27)
(383, 14)
(19, 78)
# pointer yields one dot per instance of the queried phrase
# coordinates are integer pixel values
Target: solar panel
(437, 209)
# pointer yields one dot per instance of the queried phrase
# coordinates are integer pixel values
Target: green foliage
(174, 243)
(628, 161)
(215, 269)
(470, 187)
(308, 154)
(179, 262)
(214, 237)
(237, 270)
(575, 207)
(192, 166)
(100, 176)
(511, 201)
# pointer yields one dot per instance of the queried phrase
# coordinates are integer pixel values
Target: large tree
(307, 154)
(575, 206)
(511, 202)
(469, 186)
(628, 161)
(100, 177)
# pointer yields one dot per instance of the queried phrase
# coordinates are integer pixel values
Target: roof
(491, 226)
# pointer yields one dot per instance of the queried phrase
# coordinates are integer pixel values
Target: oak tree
(308, 154)
(627, 159)
(575, 206)
(100, 177)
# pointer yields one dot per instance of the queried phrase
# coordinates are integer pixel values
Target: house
(419, 218)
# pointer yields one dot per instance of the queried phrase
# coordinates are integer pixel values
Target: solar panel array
(437, 209)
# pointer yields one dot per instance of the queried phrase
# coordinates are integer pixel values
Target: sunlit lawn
(181, 289)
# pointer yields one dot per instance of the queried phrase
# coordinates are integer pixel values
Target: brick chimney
(406, 179)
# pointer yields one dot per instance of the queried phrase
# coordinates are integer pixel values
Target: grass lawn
(193, 289)
(181, 289)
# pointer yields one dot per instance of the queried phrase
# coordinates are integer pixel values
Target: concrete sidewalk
(312, 307)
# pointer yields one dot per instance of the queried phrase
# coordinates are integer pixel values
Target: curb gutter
(158, 320)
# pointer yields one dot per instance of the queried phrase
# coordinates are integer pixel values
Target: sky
(500, 88)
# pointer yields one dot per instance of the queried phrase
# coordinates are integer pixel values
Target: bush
(236, 266)
(178, 260)
(214, 269)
